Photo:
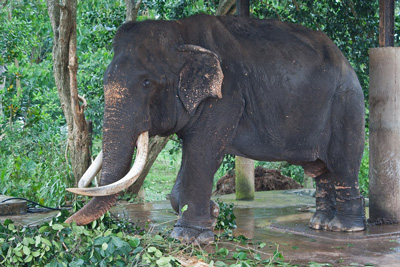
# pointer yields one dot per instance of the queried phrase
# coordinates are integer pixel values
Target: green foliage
(293, 171)
(112, 242)
(93, 64)
(177, 9)
(226, 217)
(97, 26)
(24, 32)
(363, 176)
(60, 244)
(32, 128)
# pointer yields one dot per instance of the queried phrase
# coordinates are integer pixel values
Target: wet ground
(279, 218)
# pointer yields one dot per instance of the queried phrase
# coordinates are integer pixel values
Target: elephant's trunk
(106, 195)
(93, 210)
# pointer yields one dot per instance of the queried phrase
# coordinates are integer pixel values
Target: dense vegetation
(112, 242)
(33, 157)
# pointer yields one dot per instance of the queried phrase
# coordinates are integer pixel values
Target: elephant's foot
(325, 204)
(321, 219)
(195, 235)
(350, 216)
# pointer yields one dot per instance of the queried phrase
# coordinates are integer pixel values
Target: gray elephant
(262, 89)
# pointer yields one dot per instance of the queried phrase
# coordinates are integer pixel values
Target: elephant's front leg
(193, 188)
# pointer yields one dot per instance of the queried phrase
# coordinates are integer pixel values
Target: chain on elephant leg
(190, 233)
(350, 210)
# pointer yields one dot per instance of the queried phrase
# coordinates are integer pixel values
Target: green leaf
(223, 251)
(57, 227)
(104, 246)
(184, 208)
(28, 258)
(134, 242)
(11, 227)
(100, 240)
(117, 242)
(158, 253)
(77, 263)
(26, 250)
(152, 249)
(164, 261)
(262, 245)
(43, 229)
(46, 242)
(37, 240)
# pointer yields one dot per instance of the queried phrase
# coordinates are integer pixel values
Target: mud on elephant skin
(261, 89)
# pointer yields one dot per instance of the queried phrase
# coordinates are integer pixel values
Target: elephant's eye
(146, 83)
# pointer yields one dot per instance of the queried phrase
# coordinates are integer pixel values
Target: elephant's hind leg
(324, 195)
(345, 153)
(325, 202)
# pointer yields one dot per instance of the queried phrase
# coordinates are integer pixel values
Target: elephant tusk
(91, 172)
(127, 180)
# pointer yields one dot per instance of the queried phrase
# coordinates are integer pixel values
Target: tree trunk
(132, 9)
(63, 20)
(2, 86)
(226, 7)
(17, 80)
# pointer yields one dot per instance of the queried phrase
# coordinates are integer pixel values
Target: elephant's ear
(200, 77)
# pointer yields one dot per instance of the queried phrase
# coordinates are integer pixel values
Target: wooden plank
(12, 207)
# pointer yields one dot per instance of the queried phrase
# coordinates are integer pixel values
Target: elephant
(261, 89)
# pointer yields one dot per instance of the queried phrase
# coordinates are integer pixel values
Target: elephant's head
(153, 86)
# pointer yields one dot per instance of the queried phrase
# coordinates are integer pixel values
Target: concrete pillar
(244, 178)
(384, 164)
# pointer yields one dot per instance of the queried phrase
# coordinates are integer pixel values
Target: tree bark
(226, 7)
(2, 86)
(18, 80)
(132, 9)
(65, 63)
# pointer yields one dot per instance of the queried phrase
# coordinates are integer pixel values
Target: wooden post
(244, 168)
(386, 23)
(243, 8)
(244, 178)
(384, 164)
(384, 158)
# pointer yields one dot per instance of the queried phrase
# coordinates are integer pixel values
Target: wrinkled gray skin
(287, 93)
